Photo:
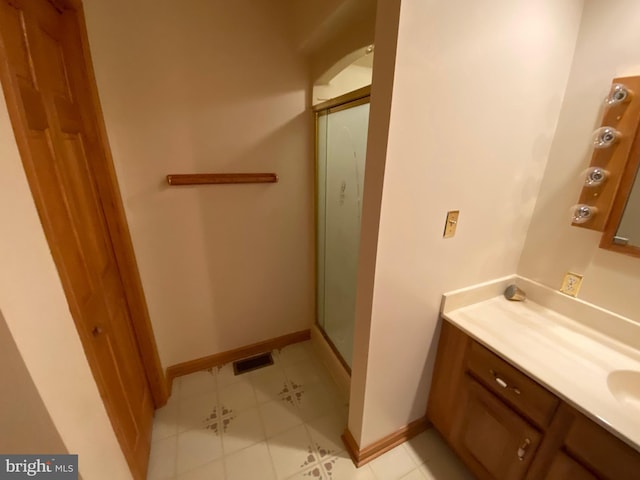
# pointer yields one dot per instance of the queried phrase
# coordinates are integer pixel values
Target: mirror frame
(627, 182)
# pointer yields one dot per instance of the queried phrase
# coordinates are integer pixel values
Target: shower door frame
(352, 99)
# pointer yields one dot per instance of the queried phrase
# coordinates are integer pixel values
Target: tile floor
(279, 422)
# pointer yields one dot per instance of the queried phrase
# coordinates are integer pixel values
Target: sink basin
(625, 387)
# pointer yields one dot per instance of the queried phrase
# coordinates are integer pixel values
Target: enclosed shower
(341, 144)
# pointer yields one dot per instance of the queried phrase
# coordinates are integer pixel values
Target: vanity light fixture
(619, 94)
(595, 176)
(583, 213)
(614, 147)
(605, 137)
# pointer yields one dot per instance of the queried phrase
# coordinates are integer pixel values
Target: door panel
(44, 77)
(341, 143)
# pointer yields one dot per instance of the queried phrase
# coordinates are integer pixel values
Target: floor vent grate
(252, 363)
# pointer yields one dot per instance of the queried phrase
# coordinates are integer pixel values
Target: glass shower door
(342, 143)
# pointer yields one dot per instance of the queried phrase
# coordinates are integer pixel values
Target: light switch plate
(571, 284)
(451, 223)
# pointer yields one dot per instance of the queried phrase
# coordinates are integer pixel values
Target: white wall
(475, 103)
(387, 24)
(349, 79)
(309, 20)
(346, 37)
(607, 47)
(329, 32)
(25, 424)
(36, 311)
(210, 86)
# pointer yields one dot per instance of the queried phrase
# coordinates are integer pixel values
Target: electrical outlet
(571, 284)
(451, 223)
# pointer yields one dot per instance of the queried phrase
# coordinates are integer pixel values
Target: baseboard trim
(316, 329)
(330, 360)
(365, 455)
(192, 366)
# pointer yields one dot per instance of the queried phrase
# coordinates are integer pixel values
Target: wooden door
(45, 82)
(492, 439)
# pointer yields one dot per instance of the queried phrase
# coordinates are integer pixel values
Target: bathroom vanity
(523, 391)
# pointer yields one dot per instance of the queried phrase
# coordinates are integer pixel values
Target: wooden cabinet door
(564, 467)
(495, 442)
(593, 446)
(45, 83)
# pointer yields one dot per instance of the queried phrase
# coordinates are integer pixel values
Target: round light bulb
(619, 94)
(583, 213)
(605, 137)
(595, 176)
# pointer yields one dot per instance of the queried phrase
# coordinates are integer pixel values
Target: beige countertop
(580, 361)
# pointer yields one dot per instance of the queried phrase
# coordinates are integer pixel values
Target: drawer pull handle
(522, 451)
(503, 383)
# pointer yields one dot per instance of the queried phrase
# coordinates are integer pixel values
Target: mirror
(622, 233)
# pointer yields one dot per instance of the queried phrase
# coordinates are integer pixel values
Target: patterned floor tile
(343, 468)
(279, 422)
(195, 411)
(315, 472)
(196, 383)
(292, 354)
(424, 446)
(307, 372)
(267, 383)
(165, 422)
(209, 471)
(162, 461)
(292, 451)
(225, 376)
(238, 396)
(278, 416)
(447, 467)
(315, 400)
(393, 465)
(325, 432)
(244, 429)
(196, 448)
(414, 475)
(251, 463)
(218, 419)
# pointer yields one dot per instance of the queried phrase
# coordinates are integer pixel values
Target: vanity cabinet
(492, 434)
(506, 426)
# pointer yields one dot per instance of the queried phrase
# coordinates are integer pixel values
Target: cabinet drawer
(594, 446)
(522, 393)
